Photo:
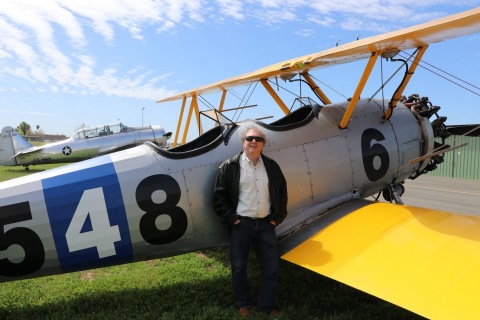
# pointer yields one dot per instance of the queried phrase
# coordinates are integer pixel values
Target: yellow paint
(358, 90)
(222, 100)
(411, 71)
(445, 28)
(180, 117)
(275, 96)
(316, 88)
(193, 107)
(197, 114)
(189, 118)
(422, 35)
(420, 259)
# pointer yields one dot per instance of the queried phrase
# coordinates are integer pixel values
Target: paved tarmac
(446, 194)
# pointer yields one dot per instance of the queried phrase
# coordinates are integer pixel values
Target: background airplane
(84, 144)
(148, 202)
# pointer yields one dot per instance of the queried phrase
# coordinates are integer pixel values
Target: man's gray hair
(253, 127)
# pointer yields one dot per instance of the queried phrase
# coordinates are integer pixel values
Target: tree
(23, 128)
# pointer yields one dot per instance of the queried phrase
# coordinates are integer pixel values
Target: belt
(257, 219)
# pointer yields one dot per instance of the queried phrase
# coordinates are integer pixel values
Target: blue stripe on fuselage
(63, 194)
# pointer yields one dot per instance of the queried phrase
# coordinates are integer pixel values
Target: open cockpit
(221, 133)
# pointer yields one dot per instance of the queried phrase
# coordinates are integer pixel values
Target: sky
(67, 64)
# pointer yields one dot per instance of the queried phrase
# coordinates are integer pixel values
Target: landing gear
(393, 193)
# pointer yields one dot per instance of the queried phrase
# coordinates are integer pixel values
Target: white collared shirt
(253, 198)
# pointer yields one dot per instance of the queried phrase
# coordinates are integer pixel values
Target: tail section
(11, 143)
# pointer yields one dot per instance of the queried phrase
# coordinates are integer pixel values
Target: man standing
(250, 196)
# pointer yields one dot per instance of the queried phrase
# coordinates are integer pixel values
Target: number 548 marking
(91, 226)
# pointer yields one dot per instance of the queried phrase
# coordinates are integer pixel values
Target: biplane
(148, 202)
(84, 144)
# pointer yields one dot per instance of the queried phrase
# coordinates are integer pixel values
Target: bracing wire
(383, 84)
(421, 64)
(292, 93)
(243, 100)
(248, 99)
(205, 102)
(425, 65)
(326, 85)
(391, 77)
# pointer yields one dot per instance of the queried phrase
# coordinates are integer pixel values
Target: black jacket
(225, 191)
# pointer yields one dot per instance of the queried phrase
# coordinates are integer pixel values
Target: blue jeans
(259, 234)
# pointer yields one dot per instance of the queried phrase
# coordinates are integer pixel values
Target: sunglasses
(251, 138)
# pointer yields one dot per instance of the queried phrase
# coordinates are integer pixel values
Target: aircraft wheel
(388, 192)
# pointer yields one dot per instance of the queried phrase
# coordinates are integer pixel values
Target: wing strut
(358, 91)
(403, 85)
(420, 36)
(316, 88)
(222, 100)
(179, 121)
(193, 106)
(275, 96)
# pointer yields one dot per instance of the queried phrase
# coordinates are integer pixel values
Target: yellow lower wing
(420, 259)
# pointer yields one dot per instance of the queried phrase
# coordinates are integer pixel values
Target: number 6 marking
(369, 152)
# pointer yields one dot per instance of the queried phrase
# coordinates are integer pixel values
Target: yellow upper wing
(453, 26)
(421, 259)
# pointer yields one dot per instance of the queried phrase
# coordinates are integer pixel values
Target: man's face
(253, 148)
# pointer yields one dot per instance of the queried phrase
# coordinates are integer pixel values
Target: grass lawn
(190, 286)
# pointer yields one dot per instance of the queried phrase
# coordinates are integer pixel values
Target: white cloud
(305, 32)
(324, 21)
(28, 29)
(282, 3)
(231, 8)
(104, 14)
(26, 112)
(168, 25)
(30, 47)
